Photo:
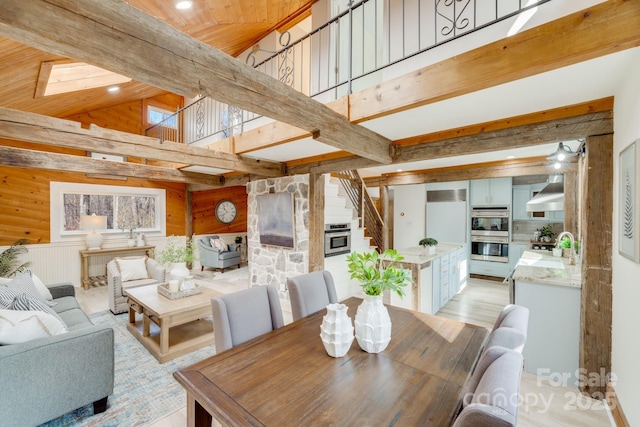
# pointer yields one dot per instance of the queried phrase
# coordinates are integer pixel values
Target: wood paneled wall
(25, 195)
(203, 210)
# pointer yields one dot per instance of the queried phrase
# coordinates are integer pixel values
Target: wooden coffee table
(170, 328)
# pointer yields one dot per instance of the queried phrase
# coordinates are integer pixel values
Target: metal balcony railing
(352, 51)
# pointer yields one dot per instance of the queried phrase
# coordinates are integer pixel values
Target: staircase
(367, 214)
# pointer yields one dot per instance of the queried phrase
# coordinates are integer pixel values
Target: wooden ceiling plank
(609, 27)
(31, 159)
(22, 126)
(121, 38)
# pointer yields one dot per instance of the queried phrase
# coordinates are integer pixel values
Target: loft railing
(350, 52)
(368, 215)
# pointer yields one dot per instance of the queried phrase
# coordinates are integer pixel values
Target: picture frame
(276, 222)
(629, 203)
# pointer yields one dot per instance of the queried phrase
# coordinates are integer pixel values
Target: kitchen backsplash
(523, 230)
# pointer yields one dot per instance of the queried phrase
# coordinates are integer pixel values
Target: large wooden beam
(118, 37)
(31, 159)
(596, 293)
(606, 28)
(526, 135)
(30, 127)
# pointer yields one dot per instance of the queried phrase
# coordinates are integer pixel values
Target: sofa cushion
(75, 319)
(22, 326)
(132, 268)
(26, 302)
(136, 283)
(65, 304)
(229, 255)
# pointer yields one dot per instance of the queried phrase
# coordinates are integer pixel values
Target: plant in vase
(178, 253)
(565, 245)
(546, 234)
(429, 242)
(131, 230)
(376, 273)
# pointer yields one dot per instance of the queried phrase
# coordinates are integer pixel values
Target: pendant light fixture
(560, 155)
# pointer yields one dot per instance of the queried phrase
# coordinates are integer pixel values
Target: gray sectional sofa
(49, 377)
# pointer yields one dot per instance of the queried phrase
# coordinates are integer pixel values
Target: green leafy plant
(545, 231)
(565, 243)
(376, 273)
(10, 263)
(428, 241)
(177, 250)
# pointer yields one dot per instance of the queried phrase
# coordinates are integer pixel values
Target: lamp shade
(93, 222)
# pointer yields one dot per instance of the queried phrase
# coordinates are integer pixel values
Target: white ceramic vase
(373, 325)
(140, 241)
(131, 242)
(336, 330)
(179, 271)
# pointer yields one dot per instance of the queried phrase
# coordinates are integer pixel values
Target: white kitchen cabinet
(515, 252)
(553, 337)
(490, 192)
(445, 279)
(435, 283)
(521, 195)
(489, 268)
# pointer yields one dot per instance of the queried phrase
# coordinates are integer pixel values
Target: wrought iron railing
(368, 215)
(349, 53)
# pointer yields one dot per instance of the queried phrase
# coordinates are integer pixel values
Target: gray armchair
(310, 293)
(246, 314)
(215, 258)
(116, 286)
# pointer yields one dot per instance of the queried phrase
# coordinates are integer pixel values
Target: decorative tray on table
(165, 292)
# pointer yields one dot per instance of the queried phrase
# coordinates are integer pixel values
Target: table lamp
(93, 222)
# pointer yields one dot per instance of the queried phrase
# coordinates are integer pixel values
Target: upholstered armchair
(131, 272)
(216, 256)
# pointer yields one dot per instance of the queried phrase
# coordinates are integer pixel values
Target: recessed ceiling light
(398, 170)
(511, 157)
(114, 89)
(184, 4)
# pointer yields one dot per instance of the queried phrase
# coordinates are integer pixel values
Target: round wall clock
(226, 211)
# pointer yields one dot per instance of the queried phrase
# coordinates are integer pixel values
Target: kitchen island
(437, 276)
(550, 288)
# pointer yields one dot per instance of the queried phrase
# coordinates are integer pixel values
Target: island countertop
(422, 257)
(542, 267)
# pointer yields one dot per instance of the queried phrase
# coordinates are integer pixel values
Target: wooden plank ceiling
(231, 26)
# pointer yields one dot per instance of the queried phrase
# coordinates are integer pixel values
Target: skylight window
(62, 77)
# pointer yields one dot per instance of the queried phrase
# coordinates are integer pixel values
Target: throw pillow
(7, 295)
(22, 326)
(23, 282)
(41, 287)
(219, 244)
(26, 302)
(132, 268)
(4, 281)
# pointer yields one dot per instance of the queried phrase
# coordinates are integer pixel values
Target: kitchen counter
(543, 267)
(421, 257)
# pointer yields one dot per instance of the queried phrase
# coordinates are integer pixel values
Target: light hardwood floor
(480, 302)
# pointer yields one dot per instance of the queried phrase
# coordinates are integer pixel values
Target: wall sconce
(93, 222)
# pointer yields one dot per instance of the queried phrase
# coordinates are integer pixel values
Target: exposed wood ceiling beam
(32, 159)
(564, 129)
(507, 168)
(22, 126)
(121, 38)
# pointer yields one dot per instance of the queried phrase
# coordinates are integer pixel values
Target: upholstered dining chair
(310, 293)
(510, 328)
(246, 314)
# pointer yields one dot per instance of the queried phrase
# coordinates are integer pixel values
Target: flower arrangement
(376, 273)
(177, 251)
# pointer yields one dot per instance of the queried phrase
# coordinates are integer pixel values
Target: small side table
(85, 254)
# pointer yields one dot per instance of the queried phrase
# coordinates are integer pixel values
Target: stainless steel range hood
(550, 198)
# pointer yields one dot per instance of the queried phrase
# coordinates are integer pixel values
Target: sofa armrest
(48, 377)
(59, 290)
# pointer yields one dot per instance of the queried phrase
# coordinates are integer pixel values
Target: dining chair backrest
(310, 293)
(510, 328)
(243, 315)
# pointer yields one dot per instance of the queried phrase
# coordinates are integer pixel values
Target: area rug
(144, 390)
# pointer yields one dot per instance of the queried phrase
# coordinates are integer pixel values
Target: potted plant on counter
(546, 234)
(429, 242)
(376, 273)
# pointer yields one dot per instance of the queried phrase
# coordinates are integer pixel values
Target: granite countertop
(543, 267)
(418, 255)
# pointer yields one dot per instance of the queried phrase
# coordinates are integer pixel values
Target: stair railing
(368, 215)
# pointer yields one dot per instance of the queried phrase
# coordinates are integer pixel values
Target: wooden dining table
(286, 378)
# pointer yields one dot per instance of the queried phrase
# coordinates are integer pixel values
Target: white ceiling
(586, 81)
